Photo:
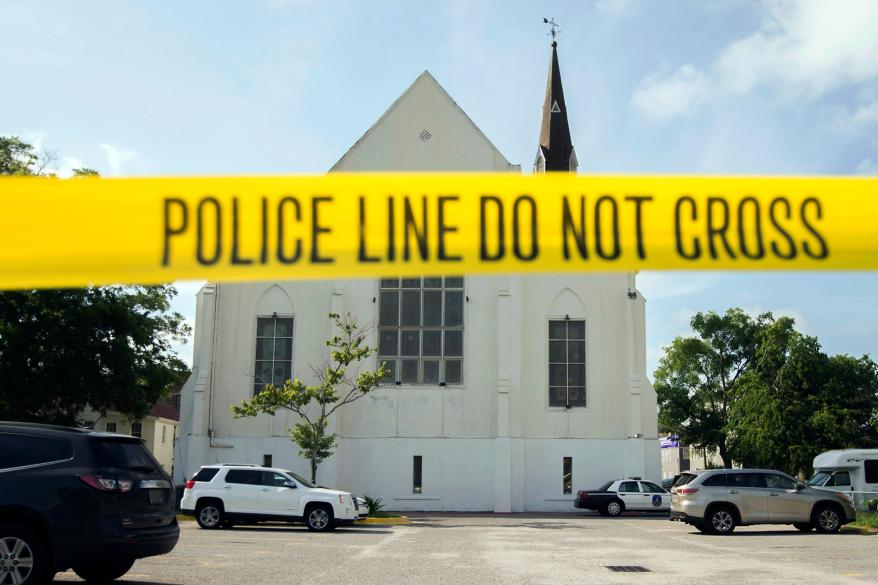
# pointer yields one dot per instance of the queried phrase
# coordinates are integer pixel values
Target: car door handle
(265, 489)
(228, 487)
(773, 495)
(733, 492)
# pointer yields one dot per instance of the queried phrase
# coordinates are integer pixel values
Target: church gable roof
(424, 130)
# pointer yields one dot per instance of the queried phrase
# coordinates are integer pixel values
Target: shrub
(374, 504)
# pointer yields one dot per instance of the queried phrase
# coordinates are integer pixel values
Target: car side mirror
(289, 484)
(800, 486)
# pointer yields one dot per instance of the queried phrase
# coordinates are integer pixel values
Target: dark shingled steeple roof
(556, 148)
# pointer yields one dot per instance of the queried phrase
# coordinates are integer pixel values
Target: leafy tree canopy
(17, 157)
(103, 347)
(763, 394)
(799, 402)
(698, 377)
(107, 347)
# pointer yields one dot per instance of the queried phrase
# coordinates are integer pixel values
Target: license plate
(156, 497)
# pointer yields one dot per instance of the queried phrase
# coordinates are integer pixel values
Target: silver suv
(717, 500)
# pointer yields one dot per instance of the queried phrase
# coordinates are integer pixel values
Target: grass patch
(384, 515)
(182, 518)
(867, 519)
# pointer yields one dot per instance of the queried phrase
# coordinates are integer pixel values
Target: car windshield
(819, 478)
(605, 487)
(300, 479)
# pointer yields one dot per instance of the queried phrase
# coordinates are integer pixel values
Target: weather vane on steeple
(555, 30)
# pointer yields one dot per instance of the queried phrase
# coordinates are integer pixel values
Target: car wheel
(209, 515)
(803, 526)
(24, 559)
(827, 519)
(103, 572)
(721, 521)
(319, 518)
(614, 508)
(702, 527)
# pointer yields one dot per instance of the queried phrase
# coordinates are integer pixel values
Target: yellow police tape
(56, 233)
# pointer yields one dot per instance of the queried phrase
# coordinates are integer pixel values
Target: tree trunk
(724, 455)
(314, 470)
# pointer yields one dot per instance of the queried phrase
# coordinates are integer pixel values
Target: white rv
(848, 470)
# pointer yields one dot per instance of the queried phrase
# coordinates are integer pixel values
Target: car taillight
(108, 484)
(686, 490)
(583, 494)
(190, 483)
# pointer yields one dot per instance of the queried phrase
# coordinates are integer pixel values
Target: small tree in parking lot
(339, 383)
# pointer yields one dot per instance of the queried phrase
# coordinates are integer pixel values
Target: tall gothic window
(420, 324)
(274, 351)
(567, 362)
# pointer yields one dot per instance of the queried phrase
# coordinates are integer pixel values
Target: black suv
(75, 498)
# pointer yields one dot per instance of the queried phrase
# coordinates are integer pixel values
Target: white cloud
(806, 47)
(799, 317)
(616, 7)
(661, 97)
(859, 118)
(866, 114)
(35, 139)
(65, 169)
(802, 49)
(116, 158)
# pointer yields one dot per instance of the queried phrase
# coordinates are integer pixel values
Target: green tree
(104, 347)
(17, 157)
(339, 383)
(798, 402)
(698, 377)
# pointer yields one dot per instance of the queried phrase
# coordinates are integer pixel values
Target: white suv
(220, 495)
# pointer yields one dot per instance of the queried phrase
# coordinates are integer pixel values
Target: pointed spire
(556, 148)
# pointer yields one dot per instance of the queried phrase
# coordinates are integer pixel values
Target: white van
(849, 470)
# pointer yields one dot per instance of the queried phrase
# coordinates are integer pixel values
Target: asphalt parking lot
(487, 549)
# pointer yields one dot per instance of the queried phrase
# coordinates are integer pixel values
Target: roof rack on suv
(239, 465)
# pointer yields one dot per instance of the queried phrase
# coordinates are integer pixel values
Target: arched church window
(274, 352)
(420, 329)
(567, 363)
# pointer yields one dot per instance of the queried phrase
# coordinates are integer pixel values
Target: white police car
(620, 495)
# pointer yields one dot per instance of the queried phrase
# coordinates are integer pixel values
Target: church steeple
(556, 151)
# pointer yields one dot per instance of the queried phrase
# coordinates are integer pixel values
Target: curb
(392, 521)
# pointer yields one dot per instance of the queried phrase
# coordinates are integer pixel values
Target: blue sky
(286, 86)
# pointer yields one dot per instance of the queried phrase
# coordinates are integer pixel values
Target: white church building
(509, 393)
